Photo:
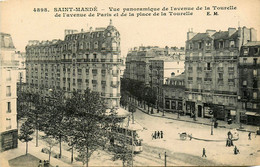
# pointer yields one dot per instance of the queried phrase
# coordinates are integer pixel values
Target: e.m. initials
(210, 14)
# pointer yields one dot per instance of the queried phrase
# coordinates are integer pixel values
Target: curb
(221, 126)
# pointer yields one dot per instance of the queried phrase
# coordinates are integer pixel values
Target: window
(220, 75)
(255, 72)
(208, 45)
(245, 83)
(254, 83)
(208, 66)
(8, 77)
(232, 44)
(108, 34)
(255, 95)
(96, 45)
(256, 50)
(221, 44)
(255, 61)
(8, 107)
(244, 60)
(8, 123)
(200, 45)
(95, 56)
(245, 50)
(8, 91)
(190, 45)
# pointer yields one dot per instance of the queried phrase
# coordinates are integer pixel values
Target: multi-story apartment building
(174, 93)
(82, 60)
(161, 68)
(211, 79)
(20, 57)
(137, 63)
(249, 83)
(8, 75)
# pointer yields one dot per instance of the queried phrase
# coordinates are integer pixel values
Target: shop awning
(250, 113)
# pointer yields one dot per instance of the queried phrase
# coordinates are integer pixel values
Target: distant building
(249, 83)
(161, 68)
(20, 57)
(8, 98)
(174, 93)
(211, 71)
(82, 60)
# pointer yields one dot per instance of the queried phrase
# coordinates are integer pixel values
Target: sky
(19, 20)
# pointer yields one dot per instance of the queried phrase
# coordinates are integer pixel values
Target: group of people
(157, 135)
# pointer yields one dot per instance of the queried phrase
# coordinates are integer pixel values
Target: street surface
(189, 152)
(179, 152)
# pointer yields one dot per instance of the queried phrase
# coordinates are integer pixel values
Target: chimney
(210, 32)
(231, 31)
(190, 34)
(253, 34)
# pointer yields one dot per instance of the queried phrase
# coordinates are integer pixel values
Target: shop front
(190, 108)
(253, 118)
(9, 140)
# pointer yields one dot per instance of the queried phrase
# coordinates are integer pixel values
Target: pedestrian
(161, 134)
(190, 136)
(249, 136)
(158, 134)
(159, 155)
(236, 151)
(204, 152)
(155, 133)
(40, 163)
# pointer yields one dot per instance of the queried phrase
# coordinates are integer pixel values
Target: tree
(54, 116)
(50, 143)
(26, 131)
(87, 112)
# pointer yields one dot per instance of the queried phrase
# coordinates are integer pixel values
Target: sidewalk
(203, 121)
(35, 151)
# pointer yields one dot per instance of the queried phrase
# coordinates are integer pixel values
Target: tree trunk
(36, 137)
(60, 147)
(87, 158)
(26, 148)
(72, 154)
(50, 155)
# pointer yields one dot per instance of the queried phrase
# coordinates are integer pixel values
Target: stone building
(174, 94)
(161, 68)
(82, 60)
(211, 69)
(249, 83)
(8, 97)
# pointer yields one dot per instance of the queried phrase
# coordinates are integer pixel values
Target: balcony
(230, 69)
(220, 69)
(207, 68)
(8, 94)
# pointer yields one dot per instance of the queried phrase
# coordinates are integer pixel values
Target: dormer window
(232, 44)
(190, 45)
(92, 35)
(221, 44)
(98, 34)
(200, 45)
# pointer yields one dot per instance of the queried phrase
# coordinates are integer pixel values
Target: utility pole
(212, 125)
(165, 159)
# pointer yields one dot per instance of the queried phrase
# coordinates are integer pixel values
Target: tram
(125, 136)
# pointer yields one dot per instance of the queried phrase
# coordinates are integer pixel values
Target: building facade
(8, 75)
(82, 60)
(249, 83)
(161, 68)
(211, 69)
(174, 94)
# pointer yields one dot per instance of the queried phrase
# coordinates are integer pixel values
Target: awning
(250, 113)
